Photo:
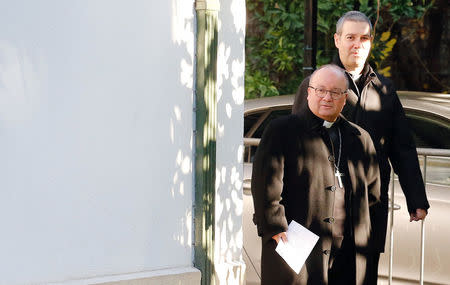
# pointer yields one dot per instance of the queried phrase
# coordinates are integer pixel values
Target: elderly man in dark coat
(373, 104)
(320, 170)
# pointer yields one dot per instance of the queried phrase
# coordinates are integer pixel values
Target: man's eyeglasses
(321, 92)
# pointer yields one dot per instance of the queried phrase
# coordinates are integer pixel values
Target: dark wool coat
(378, 110)
(293, 179)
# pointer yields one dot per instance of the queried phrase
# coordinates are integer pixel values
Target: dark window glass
(251, 119)
(273, 115)
(429, 131)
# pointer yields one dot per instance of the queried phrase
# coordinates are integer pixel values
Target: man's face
(354, 44)
(327, 108)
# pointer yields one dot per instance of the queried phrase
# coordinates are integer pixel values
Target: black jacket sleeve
(267, 183)
(403, 156)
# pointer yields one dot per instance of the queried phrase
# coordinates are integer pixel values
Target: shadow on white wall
(230, 97)
(183, 37)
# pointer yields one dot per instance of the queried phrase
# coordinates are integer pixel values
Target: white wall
(96, 137)
(230, 112)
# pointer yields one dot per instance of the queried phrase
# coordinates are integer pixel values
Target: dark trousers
(372, 270)
(343, 270)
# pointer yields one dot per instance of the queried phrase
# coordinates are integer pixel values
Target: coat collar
(367, 73)
(314, 124)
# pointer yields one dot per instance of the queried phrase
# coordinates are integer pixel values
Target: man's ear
(308, 93)
(336, 40)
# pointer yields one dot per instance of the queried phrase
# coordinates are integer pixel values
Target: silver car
(429, 118)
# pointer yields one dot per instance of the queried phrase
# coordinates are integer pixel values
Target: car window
(429, 131)
(252, 119)
(273, 115)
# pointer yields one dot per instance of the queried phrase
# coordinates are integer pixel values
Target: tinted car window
(429, 131)
(273, 115)
(252, 119)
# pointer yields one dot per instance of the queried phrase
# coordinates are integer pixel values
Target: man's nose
(328, 96)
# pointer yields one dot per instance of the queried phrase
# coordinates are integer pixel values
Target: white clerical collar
(327, 124)
(355, 77)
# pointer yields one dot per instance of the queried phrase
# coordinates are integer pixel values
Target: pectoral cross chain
(339, 175)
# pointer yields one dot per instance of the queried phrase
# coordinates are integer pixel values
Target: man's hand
(280, 235)
(420, 214)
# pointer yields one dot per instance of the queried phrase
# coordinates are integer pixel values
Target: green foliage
(274, 48)
(275, 33)
(259, 85)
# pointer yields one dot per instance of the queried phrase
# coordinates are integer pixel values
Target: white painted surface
(171, 276)
(95, 138)
(230, 112)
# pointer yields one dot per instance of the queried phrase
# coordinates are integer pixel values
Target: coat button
(331, 158)
(331, 188)
(327, 252)
(329, 220)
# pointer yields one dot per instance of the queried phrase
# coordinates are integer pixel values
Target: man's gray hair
(336, 68)
(354, 16)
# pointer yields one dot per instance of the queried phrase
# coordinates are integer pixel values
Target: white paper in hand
(300, 243)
